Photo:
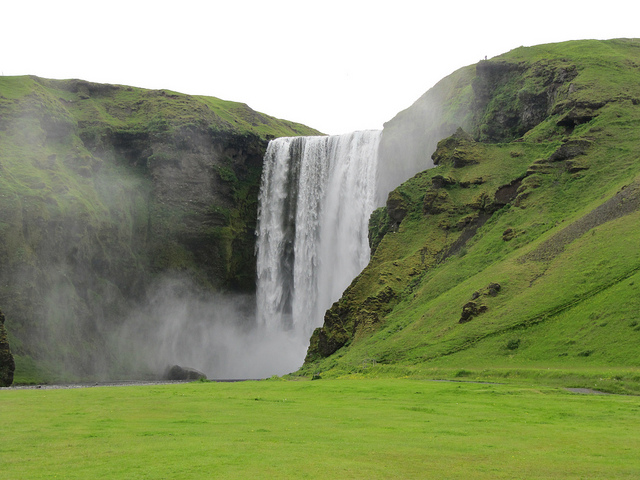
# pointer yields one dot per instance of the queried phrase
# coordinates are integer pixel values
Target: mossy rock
(456, 150)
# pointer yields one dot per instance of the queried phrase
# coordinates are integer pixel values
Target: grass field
(337, 428)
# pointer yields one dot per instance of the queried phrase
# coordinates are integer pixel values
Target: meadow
(330, 428)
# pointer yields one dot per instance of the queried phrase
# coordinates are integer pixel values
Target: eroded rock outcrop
(456, 150)
(471, 309)
(476, 306)
(536, 88)
(347, 319)
(396, 209)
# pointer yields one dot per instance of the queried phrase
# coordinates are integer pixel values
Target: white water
(316, 197)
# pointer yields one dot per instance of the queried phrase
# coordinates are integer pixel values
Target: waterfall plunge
(316, 197)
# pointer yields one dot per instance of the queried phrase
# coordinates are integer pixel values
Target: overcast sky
(337, 66)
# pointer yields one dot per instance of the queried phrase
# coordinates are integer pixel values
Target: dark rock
(396, 208)
(541, 166)
(438, 181)
(579, 113)
(322, 344)
(503, 119)
(467, 220)
(7, 363)
(575, 167)
(570, 149)
(379, 224)
(482, 202)
(346, 320)
(456, 149)
(490, 76)
(471, 309)
(461, 158)
(508, 234)
(475, 181)
(493, 289)
(507, 193)
(470, 225)
(176, 372)
(435, 202)
(490, 290)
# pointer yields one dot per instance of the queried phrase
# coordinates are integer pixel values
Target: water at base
(316, 197)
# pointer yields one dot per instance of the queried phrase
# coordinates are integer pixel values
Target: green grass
(137, 109)
(343, 428)
(29, 372)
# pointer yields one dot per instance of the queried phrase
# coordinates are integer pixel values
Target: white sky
(337, 66)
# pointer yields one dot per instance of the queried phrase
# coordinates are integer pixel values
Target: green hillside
(518, 254)
(106, 188)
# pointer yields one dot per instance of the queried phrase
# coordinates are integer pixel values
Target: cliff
(7, 363)
(106, 188)
(516, 251)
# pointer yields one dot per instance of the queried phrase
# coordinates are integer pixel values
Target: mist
(410, 138)
(215, 333)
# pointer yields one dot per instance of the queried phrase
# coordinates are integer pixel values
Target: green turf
(342, 428)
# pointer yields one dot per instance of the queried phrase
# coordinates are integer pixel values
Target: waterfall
(316, 197)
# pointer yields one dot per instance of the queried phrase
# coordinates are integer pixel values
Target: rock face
(456, 150)
(396, 208)
(7, 364)
(534, 87)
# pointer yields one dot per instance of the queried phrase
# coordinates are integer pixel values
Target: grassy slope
(137, 108)
(571, 314)
(365, 428)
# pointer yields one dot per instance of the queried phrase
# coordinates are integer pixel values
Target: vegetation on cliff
(102, 189)
(518, 252)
